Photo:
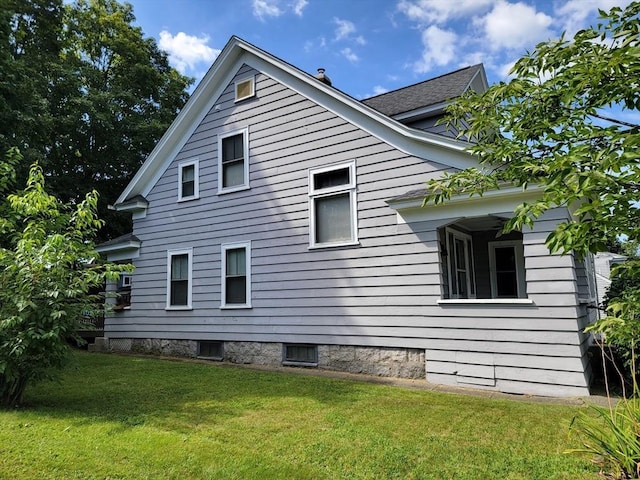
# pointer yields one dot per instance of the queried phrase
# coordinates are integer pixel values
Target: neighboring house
(279, 221)
(604, 262)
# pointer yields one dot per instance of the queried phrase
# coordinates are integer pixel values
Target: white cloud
(344, 28)
(298, 7)
(575, 12)
(473, 58)
(515, 25)
(379, 90)
(439, 11)
(504, 70)
(186, 51)
(266, 8)
(349, 55)
(439, 48)
(315, 44)
(360, 40)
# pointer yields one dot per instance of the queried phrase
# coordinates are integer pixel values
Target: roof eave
(180, 124)
(117, 247)
(407, 139)
(416, 200)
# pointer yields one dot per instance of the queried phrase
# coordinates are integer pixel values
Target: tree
(45, 277)
(551, 126)
(560, 125)
(30, 46)
(87, 95)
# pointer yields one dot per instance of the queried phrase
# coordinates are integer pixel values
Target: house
(279, 221)
(604, 262)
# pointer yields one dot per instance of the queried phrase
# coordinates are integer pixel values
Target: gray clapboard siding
(383, 292)
(503, 360)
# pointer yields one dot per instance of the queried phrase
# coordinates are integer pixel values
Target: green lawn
(116, 417)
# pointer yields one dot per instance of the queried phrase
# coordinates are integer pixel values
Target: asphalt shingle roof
(423, 94)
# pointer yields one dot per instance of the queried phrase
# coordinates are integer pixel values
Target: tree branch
(614, 120)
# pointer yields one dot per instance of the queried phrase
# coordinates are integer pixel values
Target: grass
(121, 417)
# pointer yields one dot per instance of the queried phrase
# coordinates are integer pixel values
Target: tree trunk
(11, 391)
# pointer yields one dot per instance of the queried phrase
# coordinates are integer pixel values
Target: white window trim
(327, 192)
(196, 180)
(471, 270)
(252, 79)
(170, 254)
(126, 280)
(245, 147)
(486, 301)
(223, 274)
(590, 272)
(520, 271)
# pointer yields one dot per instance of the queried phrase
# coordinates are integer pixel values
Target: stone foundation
(172, 348)
(256, 353)
(379, 361)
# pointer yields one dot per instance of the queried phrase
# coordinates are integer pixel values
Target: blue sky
(366, 46)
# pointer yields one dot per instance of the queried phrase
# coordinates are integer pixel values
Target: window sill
(214, 359)
(487, 301)
(239, 188)
(318, 246)
(178, 309)
(235, 307)
(289, 363)
(242, 99)
(188, 199)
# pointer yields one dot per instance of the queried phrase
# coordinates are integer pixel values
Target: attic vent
(245, 88)
(322, 77)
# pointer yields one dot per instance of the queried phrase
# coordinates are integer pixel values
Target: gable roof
(437, 148)
(432, 92)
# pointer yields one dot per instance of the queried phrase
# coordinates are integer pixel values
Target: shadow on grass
(144, 390)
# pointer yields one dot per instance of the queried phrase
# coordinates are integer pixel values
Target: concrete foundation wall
(380, 361)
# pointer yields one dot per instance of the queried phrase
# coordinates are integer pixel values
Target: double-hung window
(236, 275)
(179, 279)
(233, 161)
(460, 264)
(332, 205)
(188, 188)
(506, 263)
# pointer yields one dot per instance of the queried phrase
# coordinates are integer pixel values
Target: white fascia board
(123, 255)
(199, 104)
(433, 147)
(436, 108)
(120, 251)
(128, 245)
(491, 202)
(436, 148)
(483, 80)
(129, 206)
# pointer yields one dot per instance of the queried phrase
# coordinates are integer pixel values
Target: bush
(47, 269)
(625, 285)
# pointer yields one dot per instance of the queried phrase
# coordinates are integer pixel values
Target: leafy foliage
(548, 127)
(84, 93)
(612, 438)
(46, 272)
(559, 126)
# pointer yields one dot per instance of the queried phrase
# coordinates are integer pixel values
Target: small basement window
(298, 354)
(211, 350)
(245, 88)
